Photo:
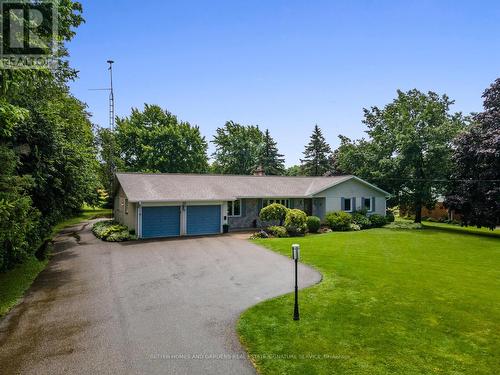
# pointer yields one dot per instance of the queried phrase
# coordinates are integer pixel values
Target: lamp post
(295, 257)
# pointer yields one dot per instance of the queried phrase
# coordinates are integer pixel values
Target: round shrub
(277, 231)
(274, 212)
(378, 220)
(296, 222)
(339, 221)
(389, 216)
(313, 224)
(361, 220)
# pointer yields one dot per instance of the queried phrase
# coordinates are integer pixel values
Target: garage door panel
(161, 222)
(203, 220)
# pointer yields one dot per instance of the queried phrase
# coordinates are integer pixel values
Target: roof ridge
(224, 175)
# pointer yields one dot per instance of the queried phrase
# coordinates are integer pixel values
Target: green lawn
(391, 302)
(14, 283)
(458, 228)
(86, 214)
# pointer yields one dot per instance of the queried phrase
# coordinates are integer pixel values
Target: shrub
(313, 224)
(258, 235)
(361, 220)
(278, 231)
(296, 222)
(404, 225)
(339, 221)
(355, 227)
(389, 216)
(273, 212)
(378, 220)
(111, 231)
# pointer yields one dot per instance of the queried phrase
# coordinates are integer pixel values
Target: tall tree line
(47, 150)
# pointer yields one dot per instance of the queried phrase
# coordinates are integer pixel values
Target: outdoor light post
(295, 256)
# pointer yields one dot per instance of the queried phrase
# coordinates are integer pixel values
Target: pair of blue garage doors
(166, 221)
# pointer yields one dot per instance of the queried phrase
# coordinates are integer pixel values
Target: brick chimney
(259, 171)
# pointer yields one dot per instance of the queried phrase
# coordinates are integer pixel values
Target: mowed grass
(15, 282)
(87, 213)
(457, 228)
(391, 302)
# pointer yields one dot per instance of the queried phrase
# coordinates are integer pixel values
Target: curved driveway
(158, 307)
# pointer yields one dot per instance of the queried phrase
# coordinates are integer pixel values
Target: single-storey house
(169, 205)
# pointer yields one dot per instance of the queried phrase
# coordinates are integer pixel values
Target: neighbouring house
(438, 212)
(169, 205)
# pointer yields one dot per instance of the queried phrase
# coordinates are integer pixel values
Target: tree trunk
(418, 212)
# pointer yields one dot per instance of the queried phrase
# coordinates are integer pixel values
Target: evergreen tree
(316, 160)
(269, 159)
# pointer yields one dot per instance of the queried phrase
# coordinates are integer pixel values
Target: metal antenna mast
(111, 97)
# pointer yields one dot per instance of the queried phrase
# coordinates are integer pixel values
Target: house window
(284, 202)
(126, 206)
(367, 204)
(347, 204)
(234, 208)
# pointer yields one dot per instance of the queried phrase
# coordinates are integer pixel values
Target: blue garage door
(203, 220)
(161, 221)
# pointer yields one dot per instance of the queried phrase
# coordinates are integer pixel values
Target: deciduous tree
(155, 141)
(409, 148)
(237, 148)
(476, 188)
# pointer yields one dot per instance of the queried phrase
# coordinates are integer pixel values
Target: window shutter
(342, 204)
(373, 204)
(353, 207)
(243, 207)
(292, 203)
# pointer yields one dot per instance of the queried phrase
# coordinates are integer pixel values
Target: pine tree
(269, 159)
(316, 160)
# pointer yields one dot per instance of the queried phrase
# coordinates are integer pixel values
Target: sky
(283, 65)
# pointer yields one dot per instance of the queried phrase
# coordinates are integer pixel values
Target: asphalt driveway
(157, 307)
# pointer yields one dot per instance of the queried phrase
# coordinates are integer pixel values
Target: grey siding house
(169, 205)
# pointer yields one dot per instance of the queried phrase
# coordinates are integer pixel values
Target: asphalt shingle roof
(195, 187)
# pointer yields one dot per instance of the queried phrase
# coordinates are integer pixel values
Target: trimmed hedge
(111, 231)
(339, 221)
